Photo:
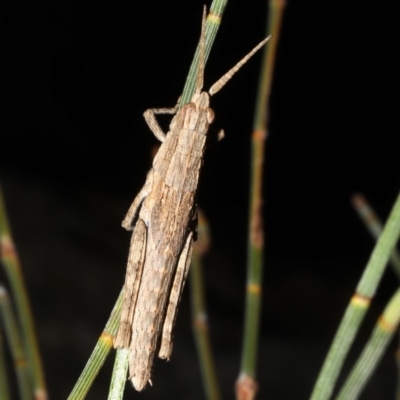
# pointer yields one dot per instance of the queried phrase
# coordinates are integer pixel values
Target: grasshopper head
(201, 99)
(199, 115)
(202, 102)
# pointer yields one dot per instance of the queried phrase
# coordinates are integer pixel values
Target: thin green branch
(16, 347)
(213, 22)
(358, 306)
(275, 15)
(4, 387)
(372, 353)
(374, 226)
(398, 369)
(12, 267)
(118, 378)
(99, 354)
(199, 312)
(246, 385)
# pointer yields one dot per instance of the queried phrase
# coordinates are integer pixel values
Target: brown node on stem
(246, 388)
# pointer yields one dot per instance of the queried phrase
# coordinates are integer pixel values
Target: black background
(74, 151)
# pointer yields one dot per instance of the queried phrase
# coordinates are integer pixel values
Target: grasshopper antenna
(200, 68)
(217, 86)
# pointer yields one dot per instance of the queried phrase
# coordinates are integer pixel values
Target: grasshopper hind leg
(133, 277)
(129, 221)
(176, 292)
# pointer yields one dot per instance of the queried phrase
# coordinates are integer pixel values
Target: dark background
(74, 151)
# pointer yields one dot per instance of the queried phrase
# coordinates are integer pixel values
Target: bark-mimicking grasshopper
(163, 217)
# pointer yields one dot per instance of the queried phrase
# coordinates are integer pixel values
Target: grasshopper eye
(210, 115)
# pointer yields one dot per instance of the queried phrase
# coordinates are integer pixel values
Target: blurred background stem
(374, 226)
(246, 386)
(13, 335)
(199, 311)
(12, 267)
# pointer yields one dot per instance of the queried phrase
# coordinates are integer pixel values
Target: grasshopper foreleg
(150, 117)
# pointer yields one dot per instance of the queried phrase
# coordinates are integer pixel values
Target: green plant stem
(358, 306)
(12, 267)
(4, 387)
(200, 329)
(398, 369)
(199, 312)
(118, 378)
(374, 226)
(368, 361)
(15, 342)
(246, 380)
(213, 22)
(99, 354)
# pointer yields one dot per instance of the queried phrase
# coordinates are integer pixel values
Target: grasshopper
(163, 218)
